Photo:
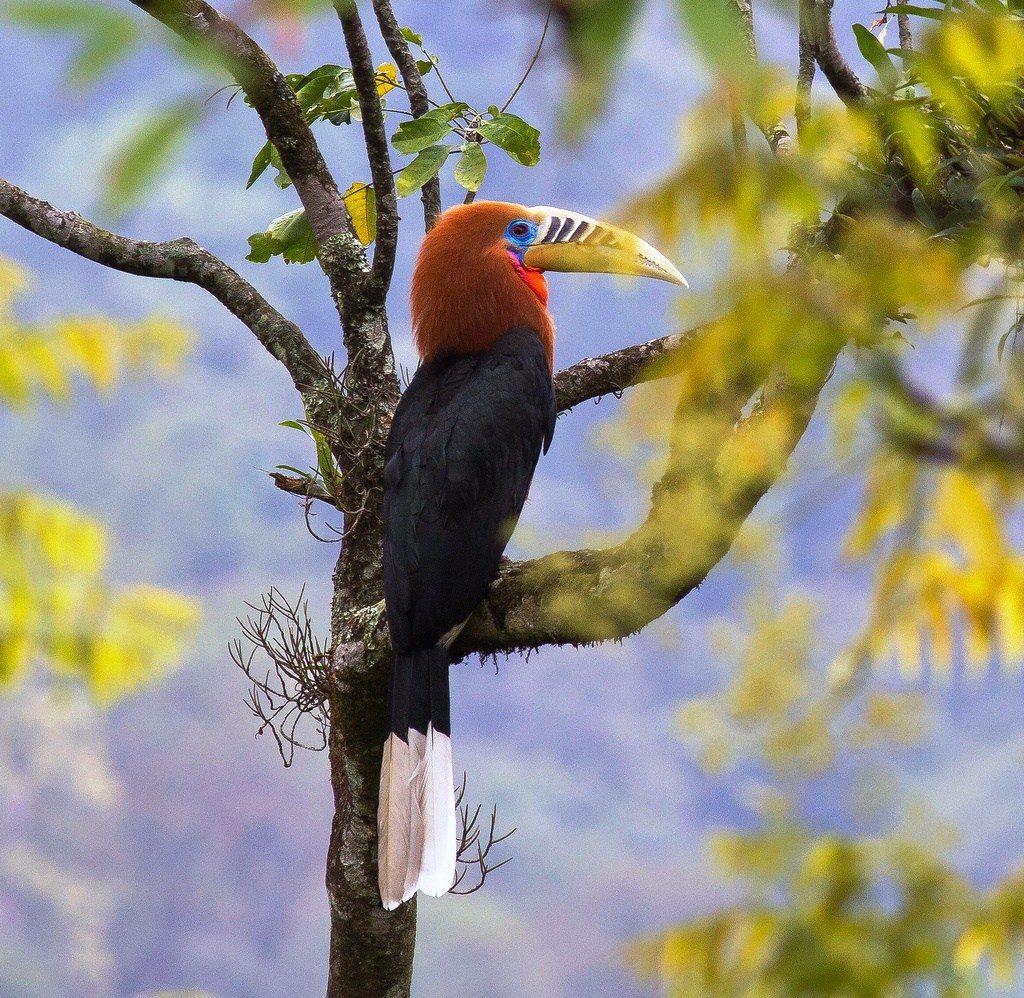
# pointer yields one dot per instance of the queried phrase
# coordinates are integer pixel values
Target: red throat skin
(468, 289)
(532, 277)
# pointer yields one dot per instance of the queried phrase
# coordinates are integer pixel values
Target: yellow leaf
(361, 202)
(386, 78)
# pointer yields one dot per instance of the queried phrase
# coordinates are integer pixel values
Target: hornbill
(459, 458)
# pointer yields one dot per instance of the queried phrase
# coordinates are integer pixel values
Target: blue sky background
(200, 858)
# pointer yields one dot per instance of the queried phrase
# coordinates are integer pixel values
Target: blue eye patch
(521, 232)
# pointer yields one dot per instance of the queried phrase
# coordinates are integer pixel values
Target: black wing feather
(460, 457)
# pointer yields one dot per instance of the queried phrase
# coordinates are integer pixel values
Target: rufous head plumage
(480, 272)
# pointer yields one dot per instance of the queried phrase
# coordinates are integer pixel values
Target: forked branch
(697, 510)
(267, 90)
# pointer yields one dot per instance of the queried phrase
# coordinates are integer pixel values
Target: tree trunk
(371, 949)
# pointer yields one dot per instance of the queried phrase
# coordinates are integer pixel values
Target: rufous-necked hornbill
(462, 449)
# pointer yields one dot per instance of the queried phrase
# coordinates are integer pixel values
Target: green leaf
(260, 163)
(423, 168)
(289, 237)
(510, 133)
(452, 110)
(146, 154)
(418, 133)
(471, 167)
(269, 156)
(424, 66)
(293, 424)
(412, 37)
(324, 81)
(874, 51)
(427, 130)
(325, 460)
(922, 209)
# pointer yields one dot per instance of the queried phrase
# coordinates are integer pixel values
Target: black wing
(465, 440)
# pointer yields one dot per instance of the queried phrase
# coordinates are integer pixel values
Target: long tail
(416, 816)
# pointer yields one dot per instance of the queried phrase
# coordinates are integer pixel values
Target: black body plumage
(460, 457)
(465, 441)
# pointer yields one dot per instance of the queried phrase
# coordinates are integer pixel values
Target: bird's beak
(569, 242)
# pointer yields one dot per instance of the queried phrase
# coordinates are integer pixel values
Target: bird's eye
(519, 229)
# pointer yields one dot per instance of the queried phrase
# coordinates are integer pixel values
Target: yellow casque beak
(572, 243)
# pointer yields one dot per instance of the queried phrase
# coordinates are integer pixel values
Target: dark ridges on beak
(572, 242)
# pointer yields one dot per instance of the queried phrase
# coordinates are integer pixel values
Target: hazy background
(157, 844)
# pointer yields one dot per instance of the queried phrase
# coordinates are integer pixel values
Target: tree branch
(179, 260)
(837, 70)
(776, 133)
(906, 36)
(697, 509)
(376, 140)
(416, 90)
(614, 372)
(305, 487)
(805, 73)
(340, 252)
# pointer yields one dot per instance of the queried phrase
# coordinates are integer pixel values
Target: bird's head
(481, 270)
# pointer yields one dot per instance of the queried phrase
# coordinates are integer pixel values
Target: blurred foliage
(56, 606)
(55, 603)
(883, 913)
(844, 916)
(873, 232)
(597, 35)
(106, 34)
(50, 360)
(887, 224)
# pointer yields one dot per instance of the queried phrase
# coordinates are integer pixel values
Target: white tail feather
(436, 793)
(417, 750)
(393, 823)
(416, 817)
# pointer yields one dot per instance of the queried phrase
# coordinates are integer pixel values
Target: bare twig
(533, 61)
(376, 141)
(179, 260)
(473, 851)
(293, 687)
(416, 90)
